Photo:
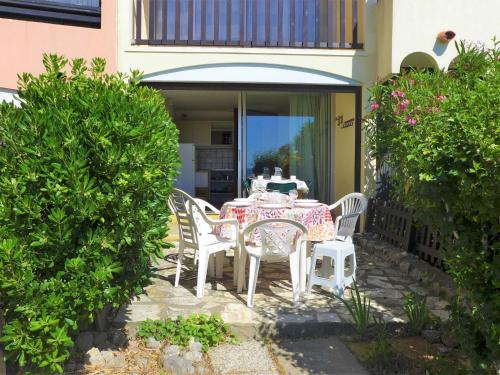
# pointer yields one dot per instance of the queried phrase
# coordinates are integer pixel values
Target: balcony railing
(250, 23)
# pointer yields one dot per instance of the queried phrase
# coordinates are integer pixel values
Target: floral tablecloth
(317, 220)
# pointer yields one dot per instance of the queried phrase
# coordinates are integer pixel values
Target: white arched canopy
(249, 74)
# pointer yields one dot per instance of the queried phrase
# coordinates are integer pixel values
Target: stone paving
(273, 312)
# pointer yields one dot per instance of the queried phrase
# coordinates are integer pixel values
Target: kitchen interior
(207, 123)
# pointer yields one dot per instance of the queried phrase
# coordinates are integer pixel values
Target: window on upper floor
(72, 12)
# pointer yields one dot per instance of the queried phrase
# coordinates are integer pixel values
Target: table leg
(305, 262)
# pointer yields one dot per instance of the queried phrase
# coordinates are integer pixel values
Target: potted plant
(445, 36)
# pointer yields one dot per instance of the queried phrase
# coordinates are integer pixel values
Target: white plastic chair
(340, 248)
(196, 231)
(280, 239)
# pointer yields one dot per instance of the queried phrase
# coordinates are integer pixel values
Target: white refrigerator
(186, 179)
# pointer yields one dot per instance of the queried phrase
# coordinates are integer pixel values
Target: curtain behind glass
(309, 156)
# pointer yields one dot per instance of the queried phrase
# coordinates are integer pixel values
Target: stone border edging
(422, 272)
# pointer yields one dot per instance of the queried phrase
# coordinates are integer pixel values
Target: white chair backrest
(190, 215)
(179, 204)
(352, 205)
(278, 237)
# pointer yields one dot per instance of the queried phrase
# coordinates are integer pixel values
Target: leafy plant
(359, 308)
(209, 330)
(416, 310)
(439, 134)
(86, 164)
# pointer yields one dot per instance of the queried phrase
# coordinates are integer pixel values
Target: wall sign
(344, 124)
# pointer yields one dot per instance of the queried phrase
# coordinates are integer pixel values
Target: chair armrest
(212, 208)
(334, 206)
(227, 222)
(223, 221)
(341, 217)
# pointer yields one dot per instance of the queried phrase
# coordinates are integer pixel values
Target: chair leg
(219, 264)
(211, 266)
(202, 272)
(303, 269)
(252, 278)
(312, 272)
(179, 265)
(241, 271)
(195, 259)
(236, 265)
(295, 275)
(339, 273)
(308, 256)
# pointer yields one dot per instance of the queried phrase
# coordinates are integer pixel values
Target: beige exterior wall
(414, 25)
(344, 146)
(24, 42)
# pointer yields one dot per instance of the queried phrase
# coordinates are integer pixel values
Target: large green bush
(440, 134)
(86, 165)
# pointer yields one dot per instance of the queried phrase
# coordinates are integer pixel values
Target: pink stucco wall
(24, 42)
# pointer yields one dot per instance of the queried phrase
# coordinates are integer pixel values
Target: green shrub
(208, 330)
(86, 165)
(439, 132)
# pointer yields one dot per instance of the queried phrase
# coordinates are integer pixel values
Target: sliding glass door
(289, 130)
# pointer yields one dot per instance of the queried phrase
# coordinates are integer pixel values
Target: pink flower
(374, 106)
(404, 104)
(433, 109)
(441, 98)
(411, 120)
(396, 94)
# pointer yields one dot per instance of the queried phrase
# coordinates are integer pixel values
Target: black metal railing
(249, 23)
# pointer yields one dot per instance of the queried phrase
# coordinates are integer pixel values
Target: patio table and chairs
(269, 226)
(310, 213)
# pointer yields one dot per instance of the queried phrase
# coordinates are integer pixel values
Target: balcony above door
(326, 24)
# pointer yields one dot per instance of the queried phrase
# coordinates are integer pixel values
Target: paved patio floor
(273, 310)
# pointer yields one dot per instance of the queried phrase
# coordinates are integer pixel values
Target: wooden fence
(395, 224)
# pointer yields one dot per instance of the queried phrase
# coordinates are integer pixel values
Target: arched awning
(248, 73)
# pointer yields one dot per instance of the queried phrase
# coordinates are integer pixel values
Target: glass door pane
(290, 131)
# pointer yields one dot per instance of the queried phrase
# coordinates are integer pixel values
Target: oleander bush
(86, 164)
(439, 133)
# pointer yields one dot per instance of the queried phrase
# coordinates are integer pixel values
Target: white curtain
(309, 151)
